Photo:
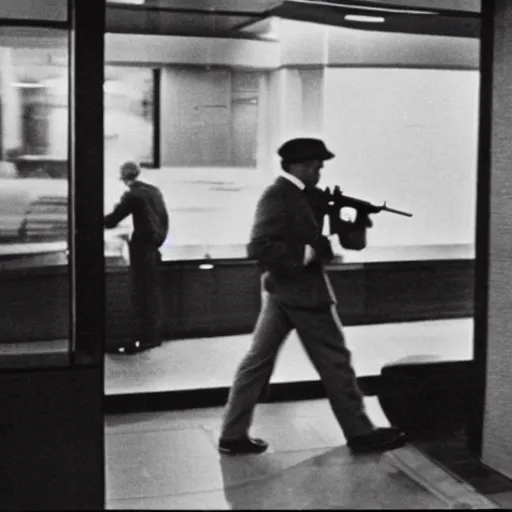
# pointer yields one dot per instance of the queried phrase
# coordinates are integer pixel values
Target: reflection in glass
(218, 128)
(34, 145)
(220, 125)
(34, 67)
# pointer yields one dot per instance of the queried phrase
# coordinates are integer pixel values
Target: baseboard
(217, 397)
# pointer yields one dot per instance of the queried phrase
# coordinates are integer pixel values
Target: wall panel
(53, 440)
(226, 299)
(497, 440)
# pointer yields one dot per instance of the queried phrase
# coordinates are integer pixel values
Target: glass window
(408, 137)
(34, 67)
(398, 121)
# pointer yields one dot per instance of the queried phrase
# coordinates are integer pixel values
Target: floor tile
(288, 435)
(318, 413)
(238, 470)
(160, 463)
(302, 480)
(213, 500)
(450, 489)
(503, 499)
(334, 480)
(164, 420)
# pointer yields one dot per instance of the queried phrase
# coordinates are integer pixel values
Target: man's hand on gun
(319, 251)
(351, 230)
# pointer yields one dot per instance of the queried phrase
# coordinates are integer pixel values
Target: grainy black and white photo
(255, 254)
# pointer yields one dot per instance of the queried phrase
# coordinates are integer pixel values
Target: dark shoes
(244, 446)
(132, 347)
(380, 440)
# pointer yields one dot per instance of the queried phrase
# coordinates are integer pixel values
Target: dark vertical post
(481, 306)
(51, 419)
(157, 76)
(86, 180)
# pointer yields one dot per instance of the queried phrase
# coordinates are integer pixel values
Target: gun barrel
(398, 212)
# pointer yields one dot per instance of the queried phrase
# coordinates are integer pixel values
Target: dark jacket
(284, 224)
(150, 217)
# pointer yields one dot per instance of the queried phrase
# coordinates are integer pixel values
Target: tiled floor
(211, 362)
(503, 499)
(169, 460)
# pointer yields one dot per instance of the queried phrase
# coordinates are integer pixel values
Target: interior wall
(196, 112)
(10, 104)
(138, 49)
(497, 442)
(49, 10)
(373, 48)
(410, 137)
(399, 110)
(304, 43)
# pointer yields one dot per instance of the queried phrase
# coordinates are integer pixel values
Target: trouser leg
(322, 335)
(254, 372)
(145, 293)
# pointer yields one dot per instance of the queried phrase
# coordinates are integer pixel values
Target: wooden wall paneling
(118, 310)
(200, 293)
(225, 300)
(391, 294)
(239, 298)
(348, 283)
(408, 291)
(172, 285)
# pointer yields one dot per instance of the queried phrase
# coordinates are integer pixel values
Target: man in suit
(150, 226)
(287, 241)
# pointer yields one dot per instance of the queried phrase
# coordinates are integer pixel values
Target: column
(494, 237)
(10, 128)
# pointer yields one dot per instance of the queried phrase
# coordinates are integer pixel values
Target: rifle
(325, 202)
(336, 200)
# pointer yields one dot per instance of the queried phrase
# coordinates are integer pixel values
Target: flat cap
(303, 150)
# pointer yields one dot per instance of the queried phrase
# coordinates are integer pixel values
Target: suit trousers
(321, 334)
(144, 273)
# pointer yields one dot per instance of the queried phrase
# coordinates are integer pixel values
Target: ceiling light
(29, 85)
(365, 19)
(368, 8)
(131, 2)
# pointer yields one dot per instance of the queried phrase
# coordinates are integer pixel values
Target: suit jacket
(150, 218)
(284, 224)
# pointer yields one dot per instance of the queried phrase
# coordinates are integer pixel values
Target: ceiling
(469, 6)
(205, 5)
(264, 5)
(251, 18)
